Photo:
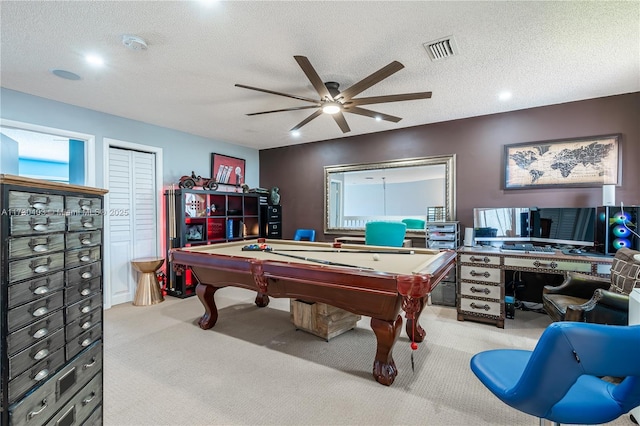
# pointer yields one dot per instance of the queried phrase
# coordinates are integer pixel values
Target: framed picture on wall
(587, 162)
(227, 170)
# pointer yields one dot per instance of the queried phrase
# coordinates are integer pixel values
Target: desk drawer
(480, 307)
(478, 273)
(34, 201)
(480, 290)
(28, 225)
(548, 263)
(480, 259)
(35, 245)
(35, 332)
(83, 239)
(82, 290)
(79, 257)
(85, 222)
(35, 266)
(36, 288)
(25, 314)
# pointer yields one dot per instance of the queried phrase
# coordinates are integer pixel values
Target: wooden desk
(360, 240)
(375, 288)
(481, 277)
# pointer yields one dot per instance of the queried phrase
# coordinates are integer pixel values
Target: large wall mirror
(392, 190)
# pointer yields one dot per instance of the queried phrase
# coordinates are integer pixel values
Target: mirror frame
(449, 161)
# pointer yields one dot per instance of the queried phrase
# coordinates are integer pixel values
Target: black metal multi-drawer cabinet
(272, 221)
(50, 303)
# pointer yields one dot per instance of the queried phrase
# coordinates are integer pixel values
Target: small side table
(148, 291)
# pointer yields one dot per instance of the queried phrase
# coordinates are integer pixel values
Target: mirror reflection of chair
(561, 380)
(385, 233)
(586, 298)
(414, 223)
(305, 235)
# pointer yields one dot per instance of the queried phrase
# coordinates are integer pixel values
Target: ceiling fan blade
(372, 114)
(390, 98)
(306, 120)
(342, 122)
(315, 101)
(313, 77)
(285, 109)
(369, 81)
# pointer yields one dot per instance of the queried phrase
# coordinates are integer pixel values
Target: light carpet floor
(255, 368)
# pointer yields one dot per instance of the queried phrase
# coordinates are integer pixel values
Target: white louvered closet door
(132, 189)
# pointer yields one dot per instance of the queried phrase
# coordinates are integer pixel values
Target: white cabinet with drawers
(481, 272)
(50, 303)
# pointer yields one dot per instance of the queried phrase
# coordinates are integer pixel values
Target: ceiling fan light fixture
(331, 108)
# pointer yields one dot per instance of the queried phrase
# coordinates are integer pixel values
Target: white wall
(183, 152)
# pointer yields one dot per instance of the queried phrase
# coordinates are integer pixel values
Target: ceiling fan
(335, 102)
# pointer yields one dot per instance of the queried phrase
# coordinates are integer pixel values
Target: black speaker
(616, 228)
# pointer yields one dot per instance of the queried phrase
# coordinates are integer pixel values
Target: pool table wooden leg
(205, 294)
(387, 332)
(418, 334)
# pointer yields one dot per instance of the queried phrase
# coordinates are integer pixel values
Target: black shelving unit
(199, 217)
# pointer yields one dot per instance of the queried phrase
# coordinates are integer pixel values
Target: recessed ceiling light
(68, 75)
(94, 60)
(295, 133)
(504, 96)
(134, 42)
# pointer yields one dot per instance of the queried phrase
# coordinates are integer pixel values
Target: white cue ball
(376, 256)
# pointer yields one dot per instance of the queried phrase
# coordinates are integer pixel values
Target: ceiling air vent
(442, 48)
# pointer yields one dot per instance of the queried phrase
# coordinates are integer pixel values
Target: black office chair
(305, 235)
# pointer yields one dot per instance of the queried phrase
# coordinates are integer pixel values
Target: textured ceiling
(543, 52)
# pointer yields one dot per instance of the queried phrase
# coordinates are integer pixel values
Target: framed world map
(592, 161)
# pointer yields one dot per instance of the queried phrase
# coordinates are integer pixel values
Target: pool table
(367, 280)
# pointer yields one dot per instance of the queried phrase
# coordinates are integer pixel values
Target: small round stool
(148, 291)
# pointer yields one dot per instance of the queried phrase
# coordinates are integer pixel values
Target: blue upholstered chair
(560, 380)
(305, 235)
(385, 233)
(414, 223)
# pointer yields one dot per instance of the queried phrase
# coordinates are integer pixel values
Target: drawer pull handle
(86, 325)
(85, 241)
(485, 306)
(86, 275)
(85, 259)
(41, 269)
(87, 222)
(41, 375)
(40, 311)
(85, 343)
(91, 364)
(40, 333)
(479, 274)
(41, 248)
(88, 399)
(538, 264)
(40, 227)
(41, 354)
(85, 292)
(32, 414)
(41, 290)
(85, 309)
(480, 259)
(480, 290)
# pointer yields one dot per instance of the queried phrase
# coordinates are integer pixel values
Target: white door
(132, 217)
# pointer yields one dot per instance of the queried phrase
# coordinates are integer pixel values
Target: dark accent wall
(478, 142)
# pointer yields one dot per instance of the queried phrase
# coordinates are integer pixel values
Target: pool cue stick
(309, 259)
(337, 250)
